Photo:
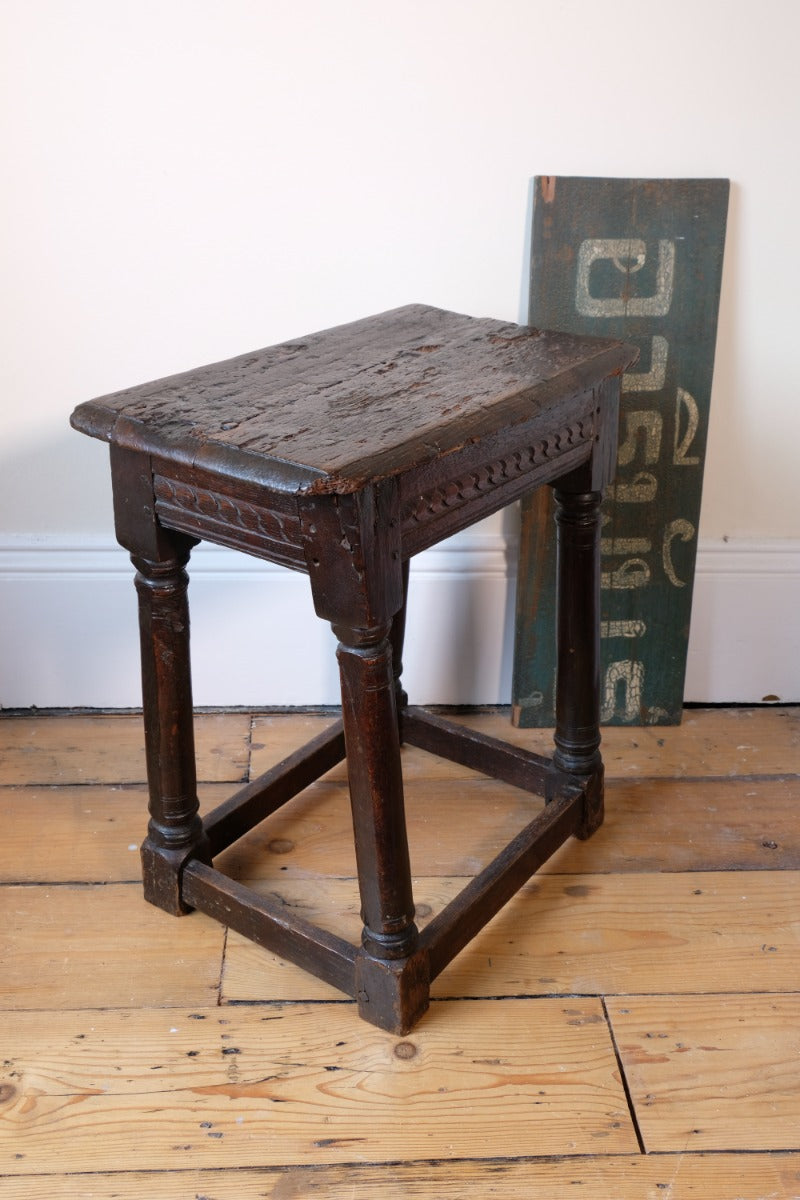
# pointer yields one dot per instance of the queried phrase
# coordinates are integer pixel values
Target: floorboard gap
(624, 1080)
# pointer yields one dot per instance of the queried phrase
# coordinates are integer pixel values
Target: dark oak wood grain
(342, 408)
(269, 923)
(266, 794)
(513, 764)
(458, 923)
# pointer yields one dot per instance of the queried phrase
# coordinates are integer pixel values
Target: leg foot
(393, 994)
(593, 808)
(161, 873)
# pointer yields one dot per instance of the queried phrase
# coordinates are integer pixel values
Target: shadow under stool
(342, 455)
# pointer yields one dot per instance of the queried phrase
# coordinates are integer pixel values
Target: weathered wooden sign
(639, 260)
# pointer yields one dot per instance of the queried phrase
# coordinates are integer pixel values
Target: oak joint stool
(343, 455)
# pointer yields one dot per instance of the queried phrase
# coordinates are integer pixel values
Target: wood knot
(280, 846)
(405, 1050)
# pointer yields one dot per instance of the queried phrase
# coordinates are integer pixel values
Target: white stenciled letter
(623, 629)
(630, 676)
(634, 573)
(681, 458)
(628, 256)
(685, 531)
(652, 380)
(652, 424)
(641, 489)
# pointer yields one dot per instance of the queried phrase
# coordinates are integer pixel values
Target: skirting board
(68, 631)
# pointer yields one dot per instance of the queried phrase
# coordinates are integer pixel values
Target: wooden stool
(342, 455)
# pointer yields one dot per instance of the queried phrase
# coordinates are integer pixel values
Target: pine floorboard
(574, 934)
(774, 1176)
(626, 1027)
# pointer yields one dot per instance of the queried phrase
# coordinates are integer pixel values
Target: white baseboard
(68, 632)
(745, 637)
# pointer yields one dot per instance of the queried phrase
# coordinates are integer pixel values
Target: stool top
(360, 402)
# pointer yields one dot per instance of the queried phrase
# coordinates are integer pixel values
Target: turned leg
(175, 832)
(391, 975)
(354, 556)
(577, 733)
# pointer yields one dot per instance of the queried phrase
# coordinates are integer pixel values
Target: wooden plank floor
(629, 1026)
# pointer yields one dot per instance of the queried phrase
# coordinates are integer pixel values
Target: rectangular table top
(363, 401)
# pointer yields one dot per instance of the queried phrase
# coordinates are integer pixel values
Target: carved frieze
(203, 511)
(501, 473)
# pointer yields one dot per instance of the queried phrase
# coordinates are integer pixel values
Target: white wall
(188, 179)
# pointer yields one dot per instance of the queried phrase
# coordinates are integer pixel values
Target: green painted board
(639, 260)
